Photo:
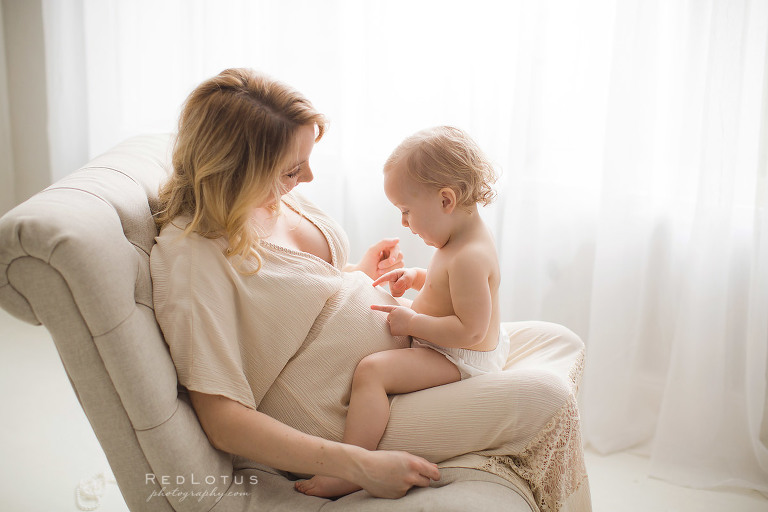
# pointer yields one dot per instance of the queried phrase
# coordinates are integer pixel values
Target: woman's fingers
(422, 481)
(432, 472)
(387, 247)
(391, 256)
(386, 243)
(389, 474)
(426, 473)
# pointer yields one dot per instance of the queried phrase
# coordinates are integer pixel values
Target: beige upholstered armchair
(75, 258)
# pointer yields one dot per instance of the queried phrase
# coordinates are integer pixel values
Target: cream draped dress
(287, 339)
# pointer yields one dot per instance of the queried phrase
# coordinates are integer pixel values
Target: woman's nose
(306, 176)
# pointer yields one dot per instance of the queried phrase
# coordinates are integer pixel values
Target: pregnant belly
(311, 394)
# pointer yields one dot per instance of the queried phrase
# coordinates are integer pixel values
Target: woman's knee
(569, 337)
(555, 388)
(547, 344)
(539, 389)
(561, 333)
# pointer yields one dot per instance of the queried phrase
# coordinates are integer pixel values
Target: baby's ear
(448, 199)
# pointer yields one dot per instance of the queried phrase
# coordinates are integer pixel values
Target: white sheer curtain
(678, 310)
(632, 136)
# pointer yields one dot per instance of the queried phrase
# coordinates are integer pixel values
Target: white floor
(47, 446)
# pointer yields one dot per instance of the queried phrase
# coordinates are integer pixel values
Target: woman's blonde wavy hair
(446, 157)
(236, 131)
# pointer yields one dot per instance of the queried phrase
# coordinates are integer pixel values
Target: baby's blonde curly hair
(445, 156)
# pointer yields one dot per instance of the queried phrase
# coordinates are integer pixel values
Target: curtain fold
(67, 86)
(8, 192)
(631, 137)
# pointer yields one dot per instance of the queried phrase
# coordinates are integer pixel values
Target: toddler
(436, 178)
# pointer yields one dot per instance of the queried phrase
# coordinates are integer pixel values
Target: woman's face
(297, 170)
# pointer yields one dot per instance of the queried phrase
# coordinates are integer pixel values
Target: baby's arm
(402, 280)
(469, 277)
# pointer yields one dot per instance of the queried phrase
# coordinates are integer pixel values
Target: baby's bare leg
(390, 372)
(377, 375)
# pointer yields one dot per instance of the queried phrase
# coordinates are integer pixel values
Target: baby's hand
(399, 318)
(400, 280)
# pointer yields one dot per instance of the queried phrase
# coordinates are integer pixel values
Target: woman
(266, 321)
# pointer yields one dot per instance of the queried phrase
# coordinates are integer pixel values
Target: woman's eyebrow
(291, 169)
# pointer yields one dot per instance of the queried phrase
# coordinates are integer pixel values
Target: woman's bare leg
(377, 375)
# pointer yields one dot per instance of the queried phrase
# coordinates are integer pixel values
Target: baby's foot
(326, 486)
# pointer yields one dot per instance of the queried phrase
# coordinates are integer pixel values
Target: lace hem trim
(553, 462)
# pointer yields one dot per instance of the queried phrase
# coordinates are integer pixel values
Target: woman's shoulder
(175, 247)
(187, 267)
(173, 235)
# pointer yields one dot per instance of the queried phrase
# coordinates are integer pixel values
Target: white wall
(24, 72)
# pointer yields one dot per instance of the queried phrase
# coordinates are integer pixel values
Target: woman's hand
(389, 474)
(380, 258)
(234, 428)
(400, 280)
(399, 318)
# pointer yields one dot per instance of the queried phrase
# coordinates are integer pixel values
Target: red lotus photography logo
(182, 487)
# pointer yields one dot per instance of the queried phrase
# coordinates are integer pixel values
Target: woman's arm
(234, 428)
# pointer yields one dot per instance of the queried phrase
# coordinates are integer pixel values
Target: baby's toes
(304, 485)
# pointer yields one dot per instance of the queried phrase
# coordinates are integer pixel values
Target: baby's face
(420, 206)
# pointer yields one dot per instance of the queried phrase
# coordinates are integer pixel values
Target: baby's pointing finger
(384, 308)
(385, 277)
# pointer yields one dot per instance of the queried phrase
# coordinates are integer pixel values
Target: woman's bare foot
(326, 486)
